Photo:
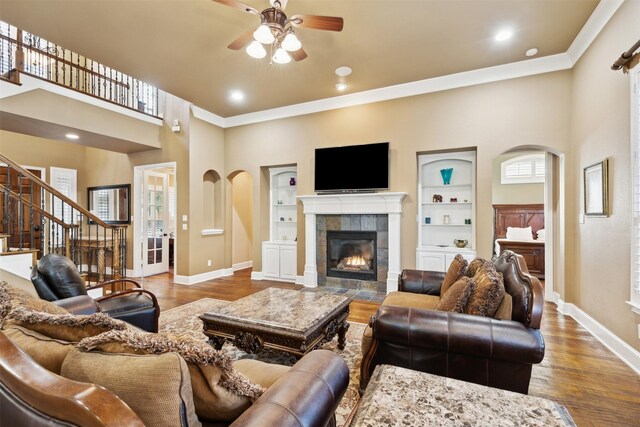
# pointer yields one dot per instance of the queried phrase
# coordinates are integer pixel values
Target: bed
(511, 231)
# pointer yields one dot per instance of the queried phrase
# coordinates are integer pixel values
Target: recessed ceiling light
(504, 35)
(71, 136)
(531, 52)
(343, 71)
(236, 96)
(341, 86)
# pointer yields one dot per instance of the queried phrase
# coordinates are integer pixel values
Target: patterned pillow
(455, 271)
(489, 291)
(474, 266)
(66, 327)
(457, 297)
(219, 392)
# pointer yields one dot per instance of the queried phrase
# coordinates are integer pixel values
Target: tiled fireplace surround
(377, 223)
(380, 212)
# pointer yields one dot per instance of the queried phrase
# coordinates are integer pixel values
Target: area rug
(184, 320)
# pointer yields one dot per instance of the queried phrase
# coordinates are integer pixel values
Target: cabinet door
(288, 262)
(431, 261)
(271, 261)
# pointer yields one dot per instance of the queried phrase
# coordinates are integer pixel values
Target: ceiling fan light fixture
(264, 35)
(255, 50)
(281, 56)
(291, 43)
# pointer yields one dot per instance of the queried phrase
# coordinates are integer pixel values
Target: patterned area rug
(184, 320)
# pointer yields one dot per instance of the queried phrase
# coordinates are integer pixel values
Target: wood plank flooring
(577, 371)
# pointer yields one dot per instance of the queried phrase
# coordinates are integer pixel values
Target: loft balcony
(47, 91)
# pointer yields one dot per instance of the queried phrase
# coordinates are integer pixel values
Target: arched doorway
(549, 195)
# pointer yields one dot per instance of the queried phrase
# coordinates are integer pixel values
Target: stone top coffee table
(282, 319)
(402, 397)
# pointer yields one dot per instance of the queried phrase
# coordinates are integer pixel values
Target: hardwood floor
(577, 371)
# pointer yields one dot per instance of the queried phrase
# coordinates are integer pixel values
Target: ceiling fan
(277, 31)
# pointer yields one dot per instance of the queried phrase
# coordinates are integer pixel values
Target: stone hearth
(380, 212)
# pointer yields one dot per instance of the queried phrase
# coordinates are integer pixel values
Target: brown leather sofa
(30, 395)
(496, 352)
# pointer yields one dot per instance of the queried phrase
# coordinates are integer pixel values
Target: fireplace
(352, 254)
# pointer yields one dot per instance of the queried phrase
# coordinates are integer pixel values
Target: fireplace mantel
(346, 204)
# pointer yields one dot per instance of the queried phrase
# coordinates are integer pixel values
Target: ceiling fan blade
(242, 41)
(327, 23)
(299, 54)
(238, 5)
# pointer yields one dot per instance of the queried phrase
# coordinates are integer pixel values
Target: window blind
(525, 169)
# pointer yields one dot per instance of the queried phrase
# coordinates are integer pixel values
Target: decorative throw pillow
(219, 392)
(455, 271)
(457, 297)
(488, 293)
(473, 266)
(540, 235)
(12, 297)
(47, 352)
(67, 327)
(156, 387)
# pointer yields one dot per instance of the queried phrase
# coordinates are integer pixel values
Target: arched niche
(212, 200)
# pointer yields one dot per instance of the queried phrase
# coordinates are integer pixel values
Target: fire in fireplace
(351, 254)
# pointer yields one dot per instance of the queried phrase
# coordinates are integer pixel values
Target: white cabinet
(279, 261)
(279, 255)
(446, 208)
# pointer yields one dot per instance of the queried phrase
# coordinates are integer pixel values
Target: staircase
(36, 219)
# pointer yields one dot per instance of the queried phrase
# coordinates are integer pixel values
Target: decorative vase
(446, 175)
(292, 181)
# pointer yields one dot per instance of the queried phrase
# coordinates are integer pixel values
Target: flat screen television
(352, 168)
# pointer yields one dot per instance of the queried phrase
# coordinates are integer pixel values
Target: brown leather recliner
(488, 351)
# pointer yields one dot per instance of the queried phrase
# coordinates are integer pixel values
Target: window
(635, 189)
(65, 181)
(525, 169)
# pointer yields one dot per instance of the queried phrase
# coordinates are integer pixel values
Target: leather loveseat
(498, 352)
(41, 377)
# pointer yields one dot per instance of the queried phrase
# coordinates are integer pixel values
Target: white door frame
(137, 195)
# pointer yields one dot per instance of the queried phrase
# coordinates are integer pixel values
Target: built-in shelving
(451, 218)
(279, 256)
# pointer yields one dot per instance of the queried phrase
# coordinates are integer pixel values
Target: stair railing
(36, 216)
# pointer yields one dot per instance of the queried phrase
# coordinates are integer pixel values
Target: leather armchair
(487, 351)
(56, 279)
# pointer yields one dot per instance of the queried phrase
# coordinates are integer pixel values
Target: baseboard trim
(197, 278)
(299, 280)
(621, 349)
(256, 275)
(242, 265)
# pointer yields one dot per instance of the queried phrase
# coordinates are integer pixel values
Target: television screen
(352, 168)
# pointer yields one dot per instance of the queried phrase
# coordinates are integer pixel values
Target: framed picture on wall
(596, 195)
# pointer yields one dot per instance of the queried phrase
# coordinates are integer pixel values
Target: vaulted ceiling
(181, 45)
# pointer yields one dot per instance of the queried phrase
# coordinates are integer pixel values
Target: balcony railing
(22, 52)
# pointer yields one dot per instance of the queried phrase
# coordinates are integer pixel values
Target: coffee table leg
(216, 342)
(342, 334)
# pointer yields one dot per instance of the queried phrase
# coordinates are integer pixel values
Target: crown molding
(562, 61)
(208, 117)
(594, 25)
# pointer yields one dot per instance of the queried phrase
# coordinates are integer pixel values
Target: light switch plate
(184, 226)
(184, 218)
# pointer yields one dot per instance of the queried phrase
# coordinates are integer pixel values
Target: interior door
(155, 251)
(20, 232)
